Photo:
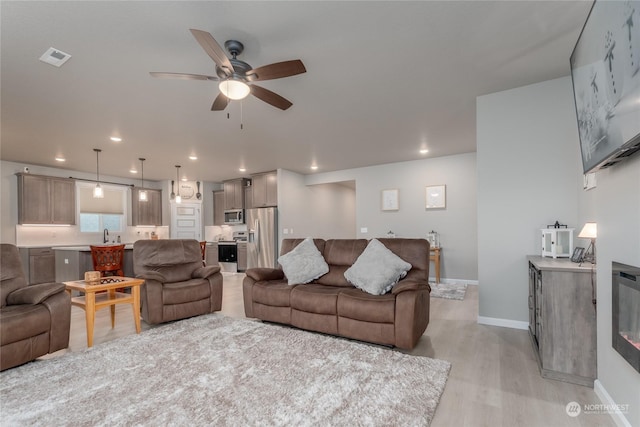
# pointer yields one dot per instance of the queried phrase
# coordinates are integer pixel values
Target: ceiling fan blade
(182, 76)
(220, 103)
(213, 49)
(277, 70)
(270, 97)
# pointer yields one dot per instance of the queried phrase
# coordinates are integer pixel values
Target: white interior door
(186, 221)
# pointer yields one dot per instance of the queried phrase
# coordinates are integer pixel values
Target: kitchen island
(73, 261)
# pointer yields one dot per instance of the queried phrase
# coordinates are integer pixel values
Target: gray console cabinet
(562, 319)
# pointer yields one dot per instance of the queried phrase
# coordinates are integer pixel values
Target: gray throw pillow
(377, 269)
(304, 263)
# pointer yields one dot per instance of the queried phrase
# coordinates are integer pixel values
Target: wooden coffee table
(92, 301)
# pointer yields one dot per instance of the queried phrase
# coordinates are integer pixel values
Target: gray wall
(529, 175)
(456, 224)
(325, 211)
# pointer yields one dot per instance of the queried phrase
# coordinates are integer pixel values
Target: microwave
(234, 216)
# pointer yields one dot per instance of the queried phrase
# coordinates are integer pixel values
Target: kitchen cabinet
(218, 208)
(265, 189)
(234, 193)
(211, 254)
(149, 212)
(38, 264)
(562, 319)
(242, 256)
(46, 200)
(248, 197)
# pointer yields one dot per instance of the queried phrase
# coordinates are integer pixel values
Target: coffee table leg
(90, 313)
(135, 292)
(112, 296)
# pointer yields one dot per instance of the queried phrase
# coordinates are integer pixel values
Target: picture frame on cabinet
(578, 254)
(390, 200)
(436, 197)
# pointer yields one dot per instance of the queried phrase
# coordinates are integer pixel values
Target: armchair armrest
(34, 294)
(152, 275)
(260, 274)
(205, 272)
(410, 285)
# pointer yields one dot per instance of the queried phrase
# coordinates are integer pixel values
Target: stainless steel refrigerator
(262, 243)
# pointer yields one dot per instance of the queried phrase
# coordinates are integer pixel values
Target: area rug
(455, 291)
(215, 370)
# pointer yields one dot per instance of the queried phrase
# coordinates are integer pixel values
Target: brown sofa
(176, 286)
(332, 305)
(34, 319)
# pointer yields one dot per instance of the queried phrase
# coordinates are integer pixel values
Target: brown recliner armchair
(177, 286)
(35, 319)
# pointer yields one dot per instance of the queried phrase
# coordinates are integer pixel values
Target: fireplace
(626, 312)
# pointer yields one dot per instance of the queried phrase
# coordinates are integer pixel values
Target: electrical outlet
(291, 231)
(364, 230)
(285, 231)
(66, 261)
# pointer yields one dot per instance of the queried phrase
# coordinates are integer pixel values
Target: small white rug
(455, 291)
(217, 371)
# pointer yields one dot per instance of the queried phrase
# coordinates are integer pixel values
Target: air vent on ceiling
(55, 57)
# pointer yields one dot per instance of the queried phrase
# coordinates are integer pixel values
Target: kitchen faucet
(105, 236)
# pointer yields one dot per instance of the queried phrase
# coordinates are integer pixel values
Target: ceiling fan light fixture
(234, 89)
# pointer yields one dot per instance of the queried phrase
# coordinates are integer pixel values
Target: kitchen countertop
(86, 248)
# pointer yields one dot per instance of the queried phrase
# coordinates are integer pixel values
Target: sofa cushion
(413, 251)
(359, 305)
(19, 322)
(187, 291)
(272, 293)
(377, 269)
(315, 298)
(304, 263)
(340, 254)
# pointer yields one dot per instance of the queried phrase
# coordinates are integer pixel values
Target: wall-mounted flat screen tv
(605, 71)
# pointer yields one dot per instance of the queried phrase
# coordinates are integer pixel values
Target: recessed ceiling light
(55, 57)
(184, 178)
(314, 167)
(115, 139)
(132, 170)
(193, 157)
(424, 151)
(60, 159)
(242, 170)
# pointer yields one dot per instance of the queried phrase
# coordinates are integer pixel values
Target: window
(97, 214)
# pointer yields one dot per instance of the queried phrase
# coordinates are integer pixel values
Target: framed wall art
(436, 197)
(390, 200)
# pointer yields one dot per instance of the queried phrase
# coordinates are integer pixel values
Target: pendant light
(98, 193)
(178, 198)
(142, 194)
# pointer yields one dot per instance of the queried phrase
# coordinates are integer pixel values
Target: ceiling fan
(236, 77)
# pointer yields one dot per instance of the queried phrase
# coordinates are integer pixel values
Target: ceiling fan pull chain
(241, 117)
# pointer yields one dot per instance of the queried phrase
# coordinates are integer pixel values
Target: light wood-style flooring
(494, 379)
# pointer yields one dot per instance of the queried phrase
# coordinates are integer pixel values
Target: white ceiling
(383, 80)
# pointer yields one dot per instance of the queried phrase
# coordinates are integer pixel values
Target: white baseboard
(504, 323)
(605, 397)
(454, 281)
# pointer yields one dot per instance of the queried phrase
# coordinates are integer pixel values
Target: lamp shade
(589, 231)
(234, 89)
